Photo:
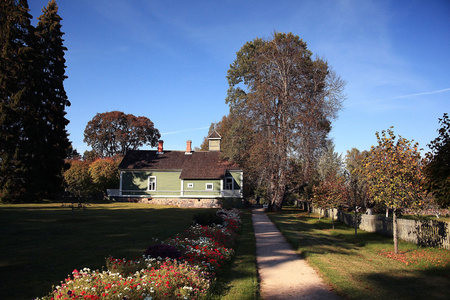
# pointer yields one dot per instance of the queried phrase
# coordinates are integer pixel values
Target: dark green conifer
(15, 70)
(52, 144)
(33, 138)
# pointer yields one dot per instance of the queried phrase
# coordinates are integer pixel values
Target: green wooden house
(181, 178)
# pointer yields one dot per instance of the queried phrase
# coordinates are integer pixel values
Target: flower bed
(203, 249)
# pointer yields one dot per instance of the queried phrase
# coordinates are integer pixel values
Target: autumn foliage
(394, 173)
(114, 133)
(85, 179)
(284, 100)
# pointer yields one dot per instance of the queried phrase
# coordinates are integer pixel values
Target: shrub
(163, 251)
(208, 219)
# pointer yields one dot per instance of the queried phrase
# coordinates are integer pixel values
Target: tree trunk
(395, 230)
(278, 197)
(332, 217)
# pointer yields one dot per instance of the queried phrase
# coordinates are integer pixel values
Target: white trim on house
(182, 190)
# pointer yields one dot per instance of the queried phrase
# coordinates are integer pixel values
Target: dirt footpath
(284, 275)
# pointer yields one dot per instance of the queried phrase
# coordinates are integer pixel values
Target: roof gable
(214, 135)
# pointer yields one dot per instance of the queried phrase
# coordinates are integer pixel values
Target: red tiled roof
(197, 165)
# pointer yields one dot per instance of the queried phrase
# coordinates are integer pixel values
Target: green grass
(240, 279)
(42, 243)
(364, 267)
(442, 218)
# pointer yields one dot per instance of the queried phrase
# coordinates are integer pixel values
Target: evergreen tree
(33, 138)
(15, 71)
(53, 144)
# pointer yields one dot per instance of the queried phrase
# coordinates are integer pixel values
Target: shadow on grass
(313, 236)
(41, 246)
(432, 283)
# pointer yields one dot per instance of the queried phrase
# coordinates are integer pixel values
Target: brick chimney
(160, 147)
(188, 147)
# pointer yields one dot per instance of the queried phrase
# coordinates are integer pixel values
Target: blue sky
(168, 60)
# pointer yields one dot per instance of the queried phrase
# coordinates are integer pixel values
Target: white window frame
(154, 183)
(209, 184)
(190, 185)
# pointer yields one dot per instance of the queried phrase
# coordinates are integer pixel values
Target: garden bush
(163, 251)
(208, 219)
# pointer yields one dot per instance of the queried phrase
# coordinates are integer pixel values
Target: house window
(209, 186)
(229, 183)
(190, 185)
(151, 183)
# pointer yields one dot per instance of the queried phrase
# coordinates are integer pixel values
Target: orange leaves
(331, 192)
(424, 257)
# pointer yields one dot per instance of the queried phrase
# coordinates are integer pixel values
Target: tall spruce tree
(52, 143)
(16, 58)
(33, 138)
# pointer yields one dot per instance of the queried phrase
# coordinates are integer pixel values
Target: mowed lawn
(365, 267)
(43, 243)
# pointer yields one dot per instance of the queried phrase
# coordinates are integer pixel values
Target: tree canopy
(284, 101)
(115, 133)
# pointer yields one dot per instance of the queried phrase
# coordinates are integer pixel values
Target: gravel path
(284, 275)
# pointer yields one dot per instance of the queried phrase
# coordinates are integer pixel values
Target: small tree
(331, 193)
(358, 194)
(394, 173)
(104, 173)
(77, 179)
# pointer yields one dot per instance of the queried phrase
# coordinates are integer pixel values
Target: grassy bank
(365, 267)
(42, 243)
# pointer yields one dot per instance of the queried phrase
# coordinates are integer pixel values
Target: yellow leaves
(394, 170)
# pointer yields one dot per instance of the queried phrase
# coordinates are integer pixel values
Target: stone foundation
(178, 202)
